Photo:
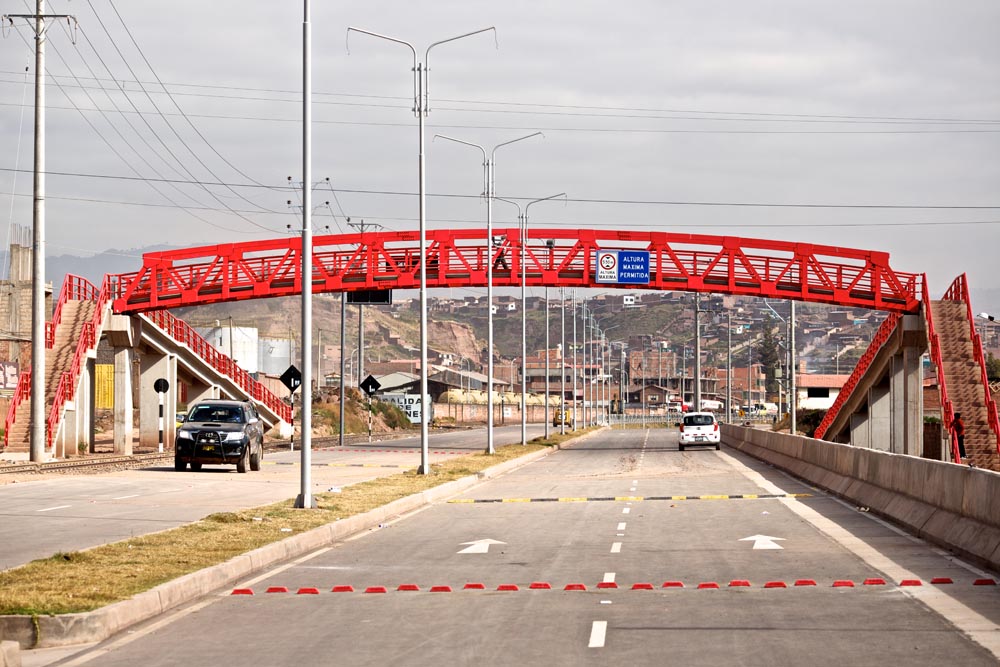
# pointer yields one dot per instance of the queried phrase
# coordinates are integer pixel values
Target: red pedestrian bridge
(880, 405)
(552, 257)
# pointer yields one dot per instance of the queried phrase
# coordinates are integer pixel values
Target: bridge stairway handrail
(77, 289)
(959, 291)
(947, 407)
(183, 333)
(882, 334)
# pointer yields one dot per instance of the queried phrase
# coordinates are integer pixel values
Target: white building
(818, 392)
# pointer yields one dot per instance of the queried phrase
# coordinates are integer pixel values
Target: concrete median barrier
(954, 506)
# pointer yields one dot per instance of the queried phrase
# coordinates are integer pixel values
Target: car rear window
(699, 420)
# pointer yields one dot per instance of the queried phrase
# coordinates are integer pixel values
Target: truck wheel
(179, 465)
(255, 459)
(241, 465)
(195, 466)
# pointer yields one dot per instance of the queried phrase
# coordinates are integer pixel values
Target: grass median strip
(86, 580)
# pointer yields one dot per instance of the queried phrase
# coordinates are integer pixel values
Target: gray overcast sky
(774, 102)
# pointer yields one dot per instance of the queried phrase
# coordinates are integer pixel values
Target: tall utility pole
(421, 100)
(562, 361)
(697, 352)
(305, 499)
(489, 191)
(362, 227)
(575, 367)
(729, 367)
(792, 389)
(38, 431)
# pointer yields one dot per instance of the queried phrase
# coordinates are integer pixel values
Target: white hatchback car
(699, 428)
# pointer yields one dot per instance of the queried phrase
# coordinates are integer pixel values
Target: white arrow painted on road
(479, 546)
(764, 541)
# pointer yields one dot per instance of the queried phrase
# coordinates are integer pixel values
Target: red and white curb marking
(612, 585)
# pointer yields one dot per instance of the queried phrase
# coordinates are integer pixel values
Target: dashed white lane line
(134, 495)
(632, 489)
(609, 577)
(597, 633)
(621, 526)
(49, 509)
(616, 547)
(626, 510)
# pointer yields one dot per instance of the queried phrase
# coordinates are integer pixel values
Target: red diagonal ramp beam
(553, 257)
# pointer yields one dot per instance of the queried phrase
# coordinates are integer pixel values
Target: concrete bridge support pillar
(198, 391)
(123, 332)
(152, 367)
(880, 417)
(123, 400)
(907, 403)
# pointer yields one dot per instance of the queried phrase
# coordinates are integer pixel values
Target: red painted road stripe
(775, 584)
(984, 582)
(540, 585)
(805, 582)
(408, 587)
(575, 587)
(308, 591)
(708, 584)
(942, 580)
(673, 584)
(739, 583)
(642, 587)
(508, 587)
(440, 589)
(376, 589)
(607, 584)
(342, 589)
(242, 591)
(474, 587)
(877, 581)
(277, 589)
(843, 583)
(910, 582)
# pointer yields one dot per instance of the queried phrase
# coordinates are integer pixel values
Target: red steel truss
(553, 257)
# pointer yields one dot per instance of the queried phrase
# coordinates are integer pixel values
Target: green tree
(767, 354)
(992, 368)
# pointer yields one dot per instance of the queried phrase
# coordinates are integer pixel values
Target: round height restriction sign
(608, 261)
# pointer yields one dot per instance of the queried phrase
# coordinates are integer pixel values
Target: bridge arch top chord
(553, 257)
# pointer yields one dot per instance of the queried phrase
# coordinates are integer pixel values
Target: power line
(644, 202)
(750, 115)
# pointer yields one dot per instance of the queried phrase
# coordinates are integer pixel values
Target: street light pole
(489, 168)
(697, 352)
(575, 367)
(729, 367)
(562, 362)
(421, 99)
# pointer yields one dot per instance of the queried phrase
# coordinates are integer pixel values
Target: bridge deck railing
(552, 257)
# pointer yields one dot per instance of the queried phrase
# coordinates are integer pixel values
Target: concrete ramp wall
(951, 505)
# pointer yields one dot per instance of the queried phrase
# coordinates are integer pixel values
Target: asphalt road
(621, 508)
(60, 513)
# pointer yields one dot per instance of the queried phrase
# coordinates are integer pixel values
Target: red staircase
(883, 334)
(72, 333)
(181, 332)
(962, 378)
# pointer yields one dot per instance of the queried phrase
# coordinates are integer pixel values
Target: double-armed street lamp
(421, 99)
(489, 191)
(523, 232)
